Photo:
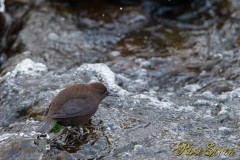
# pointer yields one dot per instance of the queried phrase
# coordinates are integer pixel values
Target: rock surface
(184, 89)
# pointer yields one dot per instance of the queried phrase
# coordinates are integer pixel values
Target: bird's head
(101, 90)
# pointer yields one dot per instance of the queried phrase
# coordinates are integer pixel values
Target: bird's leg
(80, 132)
(77, 131)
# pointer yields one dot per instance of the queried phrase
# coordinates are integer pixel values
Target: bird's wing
(74, 108)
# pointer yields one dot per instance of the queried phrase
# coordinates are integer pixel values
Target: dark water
(166, 20)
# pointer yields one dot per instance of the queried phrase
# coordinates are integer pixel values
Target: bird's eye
(103, 90)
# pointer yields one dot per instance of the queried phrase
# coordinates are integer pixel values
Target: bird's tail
(46, 127)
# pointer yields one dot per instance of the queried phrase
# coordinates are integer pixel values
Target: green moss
(56, 128)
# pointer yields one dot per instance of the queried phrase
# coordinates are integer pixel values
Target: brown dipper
(74, 105)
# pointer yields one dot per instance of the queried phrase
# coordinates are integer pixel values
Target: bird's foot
(80, 133)
(76, 131)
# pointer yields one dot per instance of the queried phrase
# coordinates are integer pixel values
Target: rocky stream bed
(175, 66)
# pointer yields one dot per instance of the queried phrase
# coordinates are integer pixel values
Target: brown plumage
(74, 105)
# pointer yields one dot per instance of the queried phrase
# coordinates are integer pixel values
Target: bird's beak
(113, 95)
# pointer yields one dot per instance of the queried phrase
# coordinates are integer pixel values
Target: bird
(74, 105)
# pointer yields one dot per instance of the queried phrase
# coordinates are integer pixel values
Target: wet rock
(208, 95)
(149, 121)
(2, 6)
(224, 131)
(115, 53)
(3, 58)
(216, 110)
(192, 88)
(23, 149)
(13, 83)
(138, 149)
(53, 36)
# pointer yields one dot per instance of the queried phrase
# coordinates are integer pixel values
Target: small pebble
(138, 149)
(53, 36)
(47, 147)
(224, 131)
(115, 53)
